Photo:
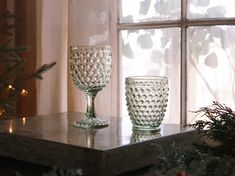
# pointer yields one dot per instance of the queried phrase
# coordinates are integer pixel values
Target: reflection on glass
(23, 120)
(211, 67)
(149, 10)
(90, 137)
(10, 129)
(211, 9)
(138, 136)
(152, 52)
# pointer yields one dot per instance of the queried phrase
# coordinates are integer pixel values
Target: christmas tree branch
(41, 70)
(14, 49)
(12, 74)
(10, 70)
(5, 44)
(7, 14)
(219, 125)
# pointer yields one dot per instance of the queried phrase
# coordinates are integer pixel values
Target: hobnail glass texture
(90, 68)
(146, 99)
(139, 136)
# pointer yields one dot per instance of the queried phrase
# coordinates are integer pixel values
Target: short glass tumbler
(147, 99)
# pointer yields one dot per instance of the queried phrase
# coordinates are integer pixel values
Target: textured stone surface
(53, 141)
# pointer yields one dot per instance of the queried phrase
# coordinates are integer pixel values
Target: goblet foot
(91, 123)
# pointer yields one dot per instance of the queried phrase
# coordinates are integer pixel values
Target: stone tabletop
(52, 140)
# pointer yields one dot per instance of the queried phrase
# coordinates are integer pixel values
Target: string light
(10, 87)
(24, 92)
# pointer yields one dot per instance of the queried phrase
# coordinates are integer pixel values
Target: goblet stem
(90, 110)
(90, 120)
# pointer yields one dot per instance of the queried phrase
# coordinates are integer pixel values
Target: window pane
(211, 67)
(149, 10)
(154, 52)
(211, 8)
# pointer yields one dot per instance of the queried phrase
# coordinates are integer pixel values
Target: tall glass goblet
(90, 67)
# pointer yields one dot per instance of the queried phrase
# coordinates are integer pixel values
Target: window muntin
(149, 10)
(211, 23)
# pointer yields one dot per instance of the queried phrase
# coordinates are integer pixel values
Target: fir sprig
(61, 172)
(219, 125)
(41, 70)
(6, 15)
(177, 158)
(202, 159)
(12, 66)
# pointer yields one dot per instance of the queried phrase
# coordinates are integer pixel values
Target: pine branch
(5, 44)
(10, 70)
(10, 58)
(41, 70)
(10, 54)
(7, 14)
(14, 57)
(12, 66)
(5, 103)
(6, 27)
(14, 49)
(6, 32)
(219, 125)
(60, 172)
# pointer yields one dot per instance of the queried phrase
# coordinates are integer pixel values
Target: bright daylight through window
(192, 42)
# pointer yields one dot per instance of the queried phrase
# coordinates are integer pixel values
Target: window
(192, 42)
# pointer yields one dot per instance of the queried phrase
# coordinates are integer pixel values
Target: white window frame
(183, 23)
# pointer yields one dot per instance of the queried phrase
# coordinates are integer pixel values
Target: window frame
(183, 24)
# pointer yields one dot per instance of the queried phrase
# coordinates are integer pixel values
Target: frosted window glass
(211, 67)
(154, 52)
(149, 10)
(211, 9)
